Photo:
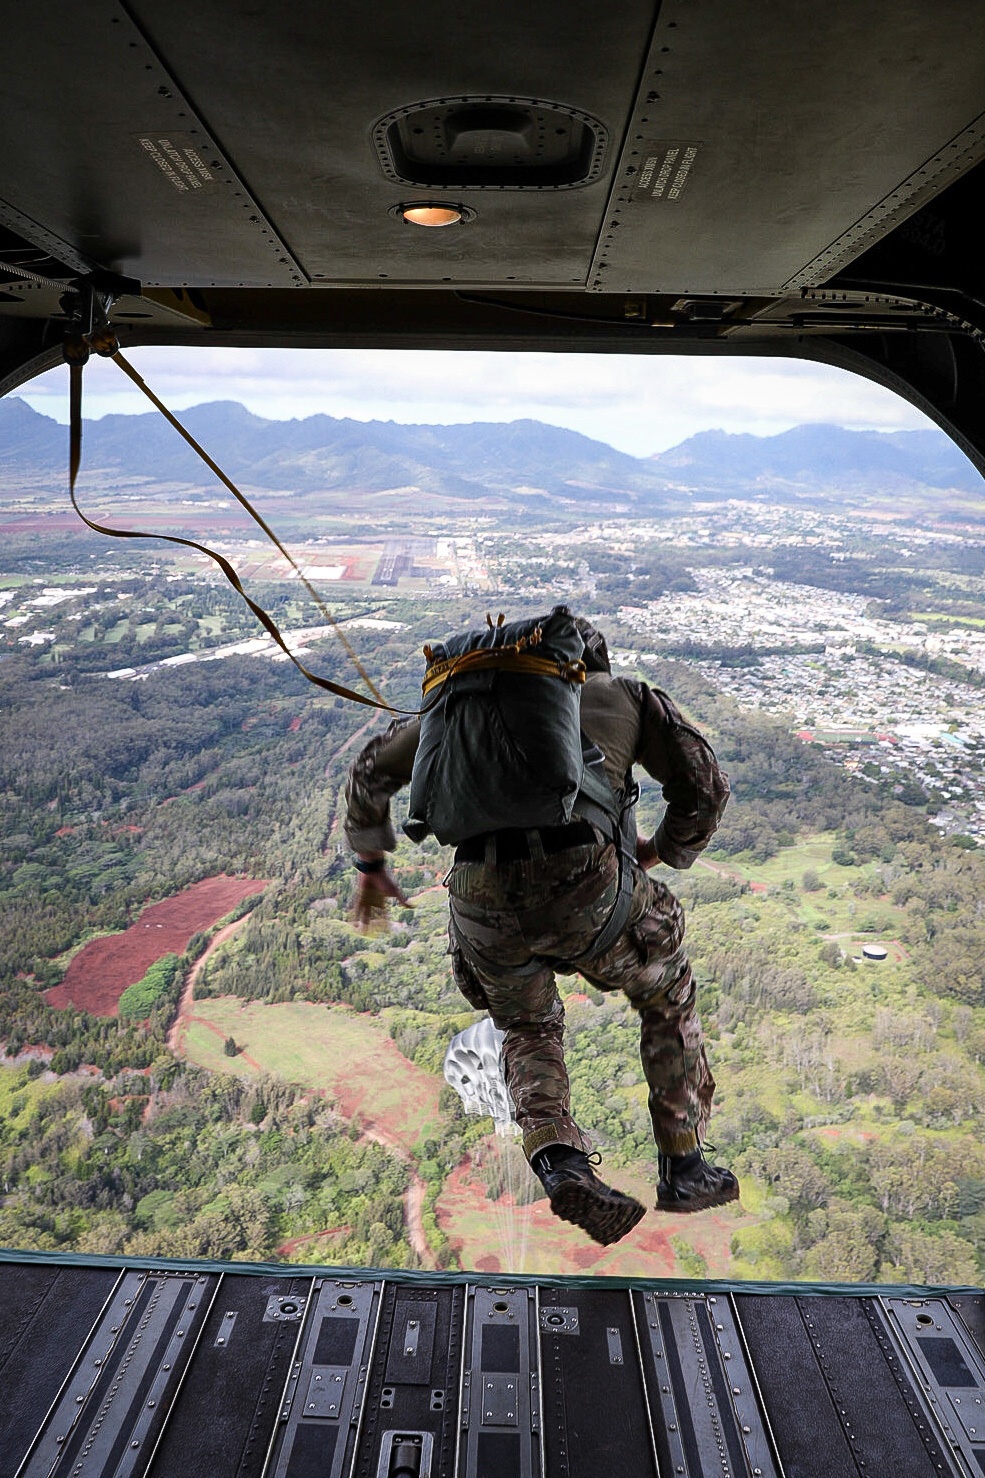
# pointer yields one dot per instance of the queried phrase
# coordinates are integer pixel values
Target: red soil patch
(65, 831)
(32, 523)
(357, 1094)
(288, 1248)
(101, 971)
(294, 725)
(47, 523)
(124, 513)
(27, 1054)
(835, 1132)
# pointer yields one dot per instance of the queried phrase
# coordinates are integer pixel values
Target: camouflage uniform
(516, 924)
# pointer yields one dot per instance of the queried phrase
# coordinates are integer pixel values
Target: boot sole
(699, 1203)
(605, 1217)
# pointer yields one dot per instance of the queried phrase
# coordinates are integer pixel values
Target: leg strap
(616, 922)
(555, 1133)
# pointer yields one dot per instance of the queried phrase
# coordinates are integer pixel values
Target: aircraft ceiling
(713, 176)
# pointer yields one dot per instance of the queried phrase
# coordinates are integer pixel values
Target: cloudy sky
(640, 404)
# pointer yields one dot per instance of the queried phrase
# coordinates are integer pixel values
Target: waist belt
(516, 845)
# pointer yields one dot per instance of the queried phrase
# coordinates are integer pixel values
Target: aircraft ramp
(175, 1370)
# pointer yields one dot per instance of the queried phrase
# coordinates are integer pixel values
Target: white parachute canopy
(474, 1068)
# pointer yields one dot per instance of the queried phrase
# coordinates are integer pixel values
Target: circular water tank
(874, 952)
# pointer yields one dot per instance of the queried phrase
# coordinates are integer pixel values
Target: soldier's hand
(373, 892)
(647, 855)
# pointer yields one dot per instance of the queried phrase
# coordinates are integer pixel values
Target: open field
(946, 616)
(499, 1236)
(101, 971)
(331, 1049)
(789, 864)
(846, 1081)
(349, 1057)
(834, 909)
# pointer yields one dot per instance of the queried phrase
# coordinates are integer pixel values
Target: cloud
(639, 403)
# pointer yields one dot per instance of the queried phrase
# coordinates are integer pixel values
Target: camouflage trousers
(514, 926)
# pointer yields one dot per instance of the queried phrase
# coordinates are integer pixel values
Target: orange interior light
(432, 215)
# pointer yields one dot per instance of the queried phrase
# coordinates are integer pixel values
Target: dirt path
(287, 1249)
(211, 1026)
(176, 1032)
(434, 888)
(413, 1195)
(353, 737)
(722, 871)
(413, 1206)
(413, 1200)
(372, 1129)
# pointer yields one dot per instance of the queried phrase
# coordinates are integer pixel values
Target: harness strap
(613, 925)
(76, 354)
(509, 659)
(266, 620)
(626, 845)
(245, 503)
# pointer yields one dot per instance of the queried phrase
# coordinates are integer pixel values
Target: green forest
(849, 1094)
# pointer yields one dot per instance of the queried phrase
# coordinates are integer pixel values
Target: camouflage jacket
(631, 724)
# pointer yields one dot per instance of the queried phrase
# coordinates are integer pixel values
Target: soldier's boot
(577, 1195)
(689, 1183)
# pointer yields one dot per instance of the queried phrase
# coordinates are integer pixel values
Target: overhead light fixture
(428, 213)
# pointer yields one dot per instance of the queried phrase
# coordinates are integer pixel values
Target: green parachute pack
(502, 747)
(501, 743)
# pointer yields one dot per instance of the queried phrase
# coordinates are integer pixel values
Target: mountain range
(518, 461)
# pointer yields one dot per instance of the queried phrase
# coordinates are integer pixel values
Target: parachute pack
(502, 746)
(501, 742)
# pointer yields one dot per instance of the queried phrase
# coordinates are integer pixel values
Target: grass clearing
(834, 908)
(948, 617)
(331, 1049)
(19, 1094)
(790, 863)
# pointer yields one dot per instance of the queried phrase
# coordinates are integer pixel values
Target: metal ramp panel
(174, 1370)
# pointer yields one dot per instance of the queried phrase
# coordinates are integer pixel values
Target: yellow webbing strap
(508, 659)
(266, 621)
